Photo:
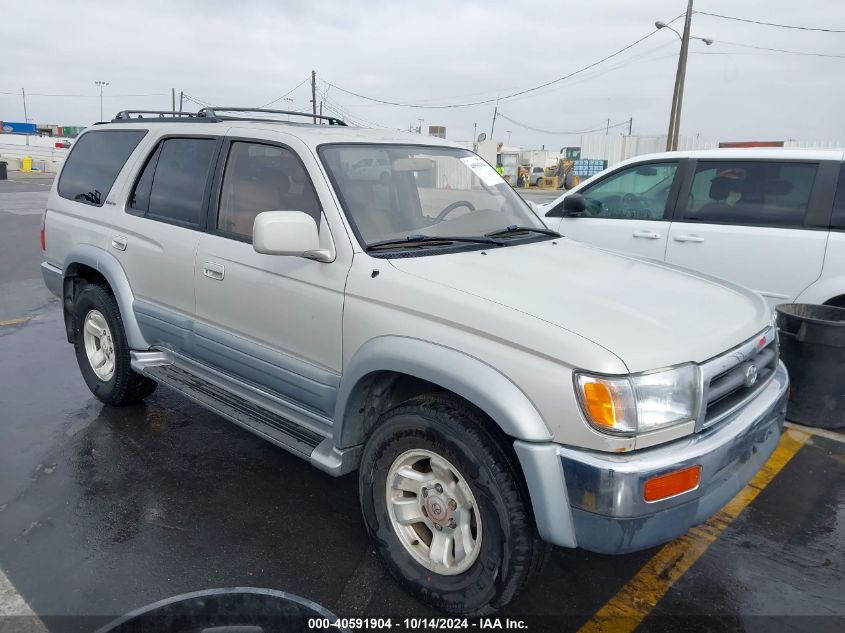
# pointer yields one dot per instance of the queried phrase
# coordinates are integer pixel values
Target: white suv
(407, 327)
(772, 220)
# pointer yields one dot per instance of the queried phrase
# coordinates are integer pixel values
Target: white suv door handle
(688, 238)
(647, 235)
(118, 242)
(213, 270)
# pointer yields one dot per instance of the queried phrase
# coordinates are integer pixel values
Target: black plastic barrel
(3, 174)
(234, 610)
(812, 346)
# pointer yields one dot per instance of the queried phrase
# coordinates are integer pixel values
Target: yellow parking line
(631, 604)
(16, 321)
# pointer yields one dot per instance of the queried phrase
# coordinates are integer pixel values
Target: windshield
(392, 192)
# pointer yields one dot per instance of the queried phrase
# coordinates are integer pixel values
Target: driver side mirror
(574, 205)
(291, 233)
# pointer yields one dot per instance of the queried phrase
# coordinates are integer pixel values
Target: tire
(121, 386)
(508, 550)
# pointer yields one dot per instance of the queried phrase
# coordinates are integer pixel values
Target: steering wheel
(632, 203)
(458, 203)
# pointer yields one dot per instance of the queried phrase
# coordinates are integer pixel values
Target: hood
(649, 314)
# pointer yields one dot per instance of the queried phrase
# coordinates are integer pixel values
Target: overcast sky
(250, 52)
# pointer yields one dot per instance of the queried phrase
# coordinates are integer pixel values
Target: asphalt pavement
(103, 510)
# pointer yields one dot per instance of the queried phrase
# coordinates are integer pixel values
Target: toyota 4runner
(495, 385)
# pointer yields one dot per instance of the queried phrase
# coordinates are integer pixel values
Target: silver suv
(496, 385)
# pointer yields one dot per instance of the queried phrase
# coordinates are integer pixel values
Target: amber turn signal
(600, 404)
(671, 484)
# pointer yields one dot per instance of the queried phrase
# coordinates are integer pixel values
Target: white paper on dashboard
(482, 169)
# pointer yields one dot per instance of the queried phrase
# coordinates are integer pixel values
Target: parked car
(369, 169)
(537, 174)
(495, 386)
(770, 219)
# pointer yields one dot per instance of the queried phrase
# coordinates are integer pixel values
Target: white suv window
(263, 178)
(638, 192)
(758, 193)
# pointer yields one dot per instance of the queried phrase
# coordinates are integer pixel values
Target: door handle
(118, 242)
(688, 238)
(649, 235)
(213, 270)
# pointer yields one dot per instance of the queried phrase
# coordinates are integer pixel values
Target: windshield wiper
(513, 228)
(421, 240)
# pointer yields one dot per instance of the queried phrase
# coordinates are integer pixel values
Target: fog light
(671, 484)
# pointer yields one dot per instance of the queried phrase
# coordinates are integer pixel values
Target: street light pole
(680, 75)
(101, 84)
(682, 72)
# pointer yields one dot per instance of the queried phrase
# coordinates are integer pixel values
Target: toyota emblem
(750, 375)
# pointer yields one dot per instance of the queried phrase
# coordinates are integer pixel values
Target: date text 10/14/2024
(443, 624)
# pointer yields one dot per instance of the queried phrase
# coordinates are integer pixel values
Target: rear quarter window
(94, 163)
(837, 221)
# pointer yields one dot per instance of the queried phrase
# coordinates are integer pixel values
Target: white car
(772, 220)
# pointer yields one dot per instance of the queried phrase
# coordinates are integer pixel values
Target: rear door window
(755, 193)
(173, 184)
(94, 163)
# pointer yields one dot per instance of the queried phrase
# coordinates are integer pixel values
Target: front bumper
(603, 492)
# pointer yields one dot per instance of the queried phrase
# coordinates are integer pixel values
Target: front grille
(727, 379)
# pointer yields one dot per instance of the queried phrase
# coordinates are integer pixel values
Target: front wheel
(443, 503)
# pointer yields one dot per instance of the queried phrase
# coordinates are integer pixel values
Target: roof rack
(165, 115)
(212, 113)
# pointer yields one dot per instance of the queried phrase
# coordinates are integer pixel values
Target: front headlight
(627, 405)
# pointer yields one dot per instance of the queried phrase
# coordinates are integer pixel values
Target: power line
(559, 132)
(780, 26)
(304, 81)
(780, 50)
(502, 98)
(202, 104)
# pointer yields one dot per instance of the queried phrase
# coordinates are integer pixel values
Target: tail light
(43, 232)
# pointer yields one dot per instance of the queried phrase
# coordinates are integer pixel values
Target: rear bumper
(603, 492)
(53, 278)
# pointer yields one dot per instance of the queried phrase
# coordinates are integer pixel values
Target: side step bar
(237, 409)
(249, 408)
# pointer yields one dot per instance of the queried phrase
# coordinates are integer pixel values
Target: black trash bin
(3, 174)
(233, 610)
(812, 346)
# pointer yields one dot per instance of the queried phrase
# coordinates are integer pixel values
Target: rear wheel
(443, 503)
(102, 351)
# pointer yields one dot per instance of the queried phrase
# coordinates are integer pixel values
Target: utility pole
(314, 95)
(474, 136)
(607, 129)
(495, 113)
(678, 93)
(630, 125)
(101, 84)
(321, 111)
(25, 119)
(181, 99)
(173, 99)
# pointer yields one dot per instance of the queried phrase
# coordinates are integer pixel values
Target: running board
(250, 408)
(233, 407)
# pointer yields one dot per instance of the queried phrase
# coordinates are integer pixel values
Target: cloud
(250, 52)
